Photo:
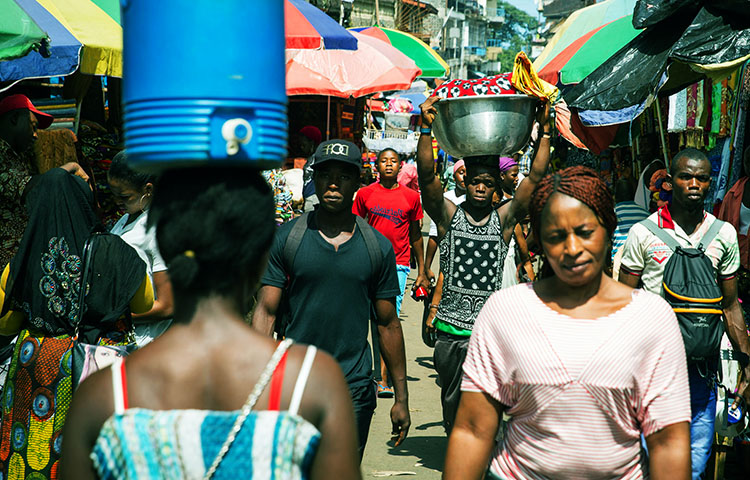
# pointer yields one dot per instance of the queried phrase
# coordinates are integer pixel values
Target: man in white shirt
(643, 261)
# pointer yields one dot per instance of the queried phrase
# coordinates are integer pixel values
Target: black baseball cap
(339, 150)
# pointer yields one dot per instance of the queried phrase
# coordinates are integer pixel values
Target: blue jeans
(703, 408)
(402, 271)
(703, 413)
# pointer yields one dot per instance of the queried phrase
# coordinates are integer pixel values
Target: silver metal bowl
(484, 125)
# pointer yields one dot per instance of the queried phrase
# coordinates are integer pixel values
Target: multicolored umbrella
(431, 64)
(375, 66)
(585, 40)
(19, 34)
(83, 34)
(309, 27)
(86, 35)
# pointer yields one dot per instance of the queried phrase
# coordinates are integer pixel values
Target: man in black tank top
(473, 239)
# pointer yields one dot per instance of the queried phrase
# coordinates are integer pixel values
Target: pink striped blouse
(580, 392)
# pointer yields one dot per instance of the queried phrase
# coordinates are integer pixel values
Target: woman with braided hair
(583, 366)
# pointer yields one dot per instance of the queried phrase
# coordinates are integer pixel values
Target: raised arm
(433, 201)
(519, 206)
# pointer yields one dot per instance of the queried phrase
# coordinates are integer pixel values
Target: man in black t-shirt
(332, 288)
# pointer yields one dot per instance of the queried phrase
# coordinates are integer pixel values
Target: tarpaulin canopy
(18, 32)
(374, 67)
(666, 57)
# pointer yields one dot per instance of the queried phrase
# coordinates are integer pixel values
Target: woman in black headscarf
(41, 288)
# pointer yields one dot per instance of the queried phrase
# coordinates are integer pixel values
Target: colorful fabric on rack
(495, 85)
(282, 196)
(677, 116)
(725, 122)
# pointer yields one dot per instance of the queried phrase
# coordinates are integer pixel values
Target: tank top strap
(277, 384)
(304, 374)
(265, 376)
(119, 386)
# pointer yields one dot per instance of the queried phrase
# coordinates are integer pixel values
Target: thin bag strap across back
(87, 253)
(265, 377)
(304, 374)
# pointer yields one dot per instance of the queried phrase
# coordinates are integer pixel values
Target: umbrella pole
(77, 120)
(661, 133)
(328, 119)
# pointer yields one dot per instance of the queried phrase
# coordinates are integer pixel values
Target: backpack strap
(373, 250)
(294, 240)
(710, 235)
(659, 232)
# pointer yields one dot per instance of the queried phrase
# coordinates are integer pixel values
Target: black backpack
(691, 287)
(291, 247)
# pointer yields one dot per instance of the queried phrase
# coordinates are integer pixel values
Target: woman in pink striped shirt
(582, 364)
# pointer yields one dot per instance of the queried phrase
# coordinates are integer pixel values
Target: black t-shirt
(329, 295)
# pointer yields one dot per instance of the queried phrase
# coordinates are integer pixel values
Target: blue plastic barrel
(203, 83)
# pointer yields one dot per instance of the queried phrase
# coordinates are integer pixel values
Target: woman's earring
(140, 202)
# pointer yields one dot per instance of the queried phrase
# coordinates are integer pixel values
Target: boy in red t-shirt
(394, 211)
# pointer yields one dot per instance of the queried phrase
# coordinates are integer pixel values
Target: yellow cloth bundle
(525, 80)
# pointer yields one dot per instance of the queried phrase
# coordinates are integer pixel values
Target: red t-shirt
(390, 212)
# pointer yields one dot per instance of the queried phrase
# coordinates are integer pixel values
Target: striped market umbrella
(585, 40)
(19, 34)
(86, 35)
(431, 64)
(309, 27)
(83, 34)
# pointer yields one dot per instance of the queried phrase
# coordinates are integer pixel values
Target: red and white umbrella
(374, 67)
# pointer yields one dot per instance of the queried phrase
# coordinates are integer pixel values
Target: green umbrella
(18, 32)
(585, 40)
(427, 59)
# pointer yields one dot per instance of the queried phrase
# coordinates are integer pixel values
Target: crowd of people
(211, 331)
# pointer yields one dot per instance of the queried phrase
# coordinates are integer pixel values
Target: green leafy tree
(514, 35)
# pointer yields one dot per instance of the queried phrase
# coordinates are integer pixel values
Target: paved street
(422, 453)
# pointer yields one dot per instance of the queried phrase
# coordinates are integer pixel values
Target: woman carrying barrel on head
(582, 364)
(211, 398)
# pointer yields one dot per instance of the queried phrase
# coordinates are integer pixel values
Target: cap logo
(336, 149)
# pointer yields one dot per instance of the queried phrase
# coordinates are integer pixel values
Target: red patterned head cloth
(506, 163)
(496, 85)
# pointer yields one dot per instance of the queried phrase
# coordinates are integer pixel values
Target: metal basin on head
(484, 125)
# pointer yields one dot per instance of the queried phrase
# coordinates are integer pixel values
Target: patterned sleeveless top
(146, 444)
(471, 259)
